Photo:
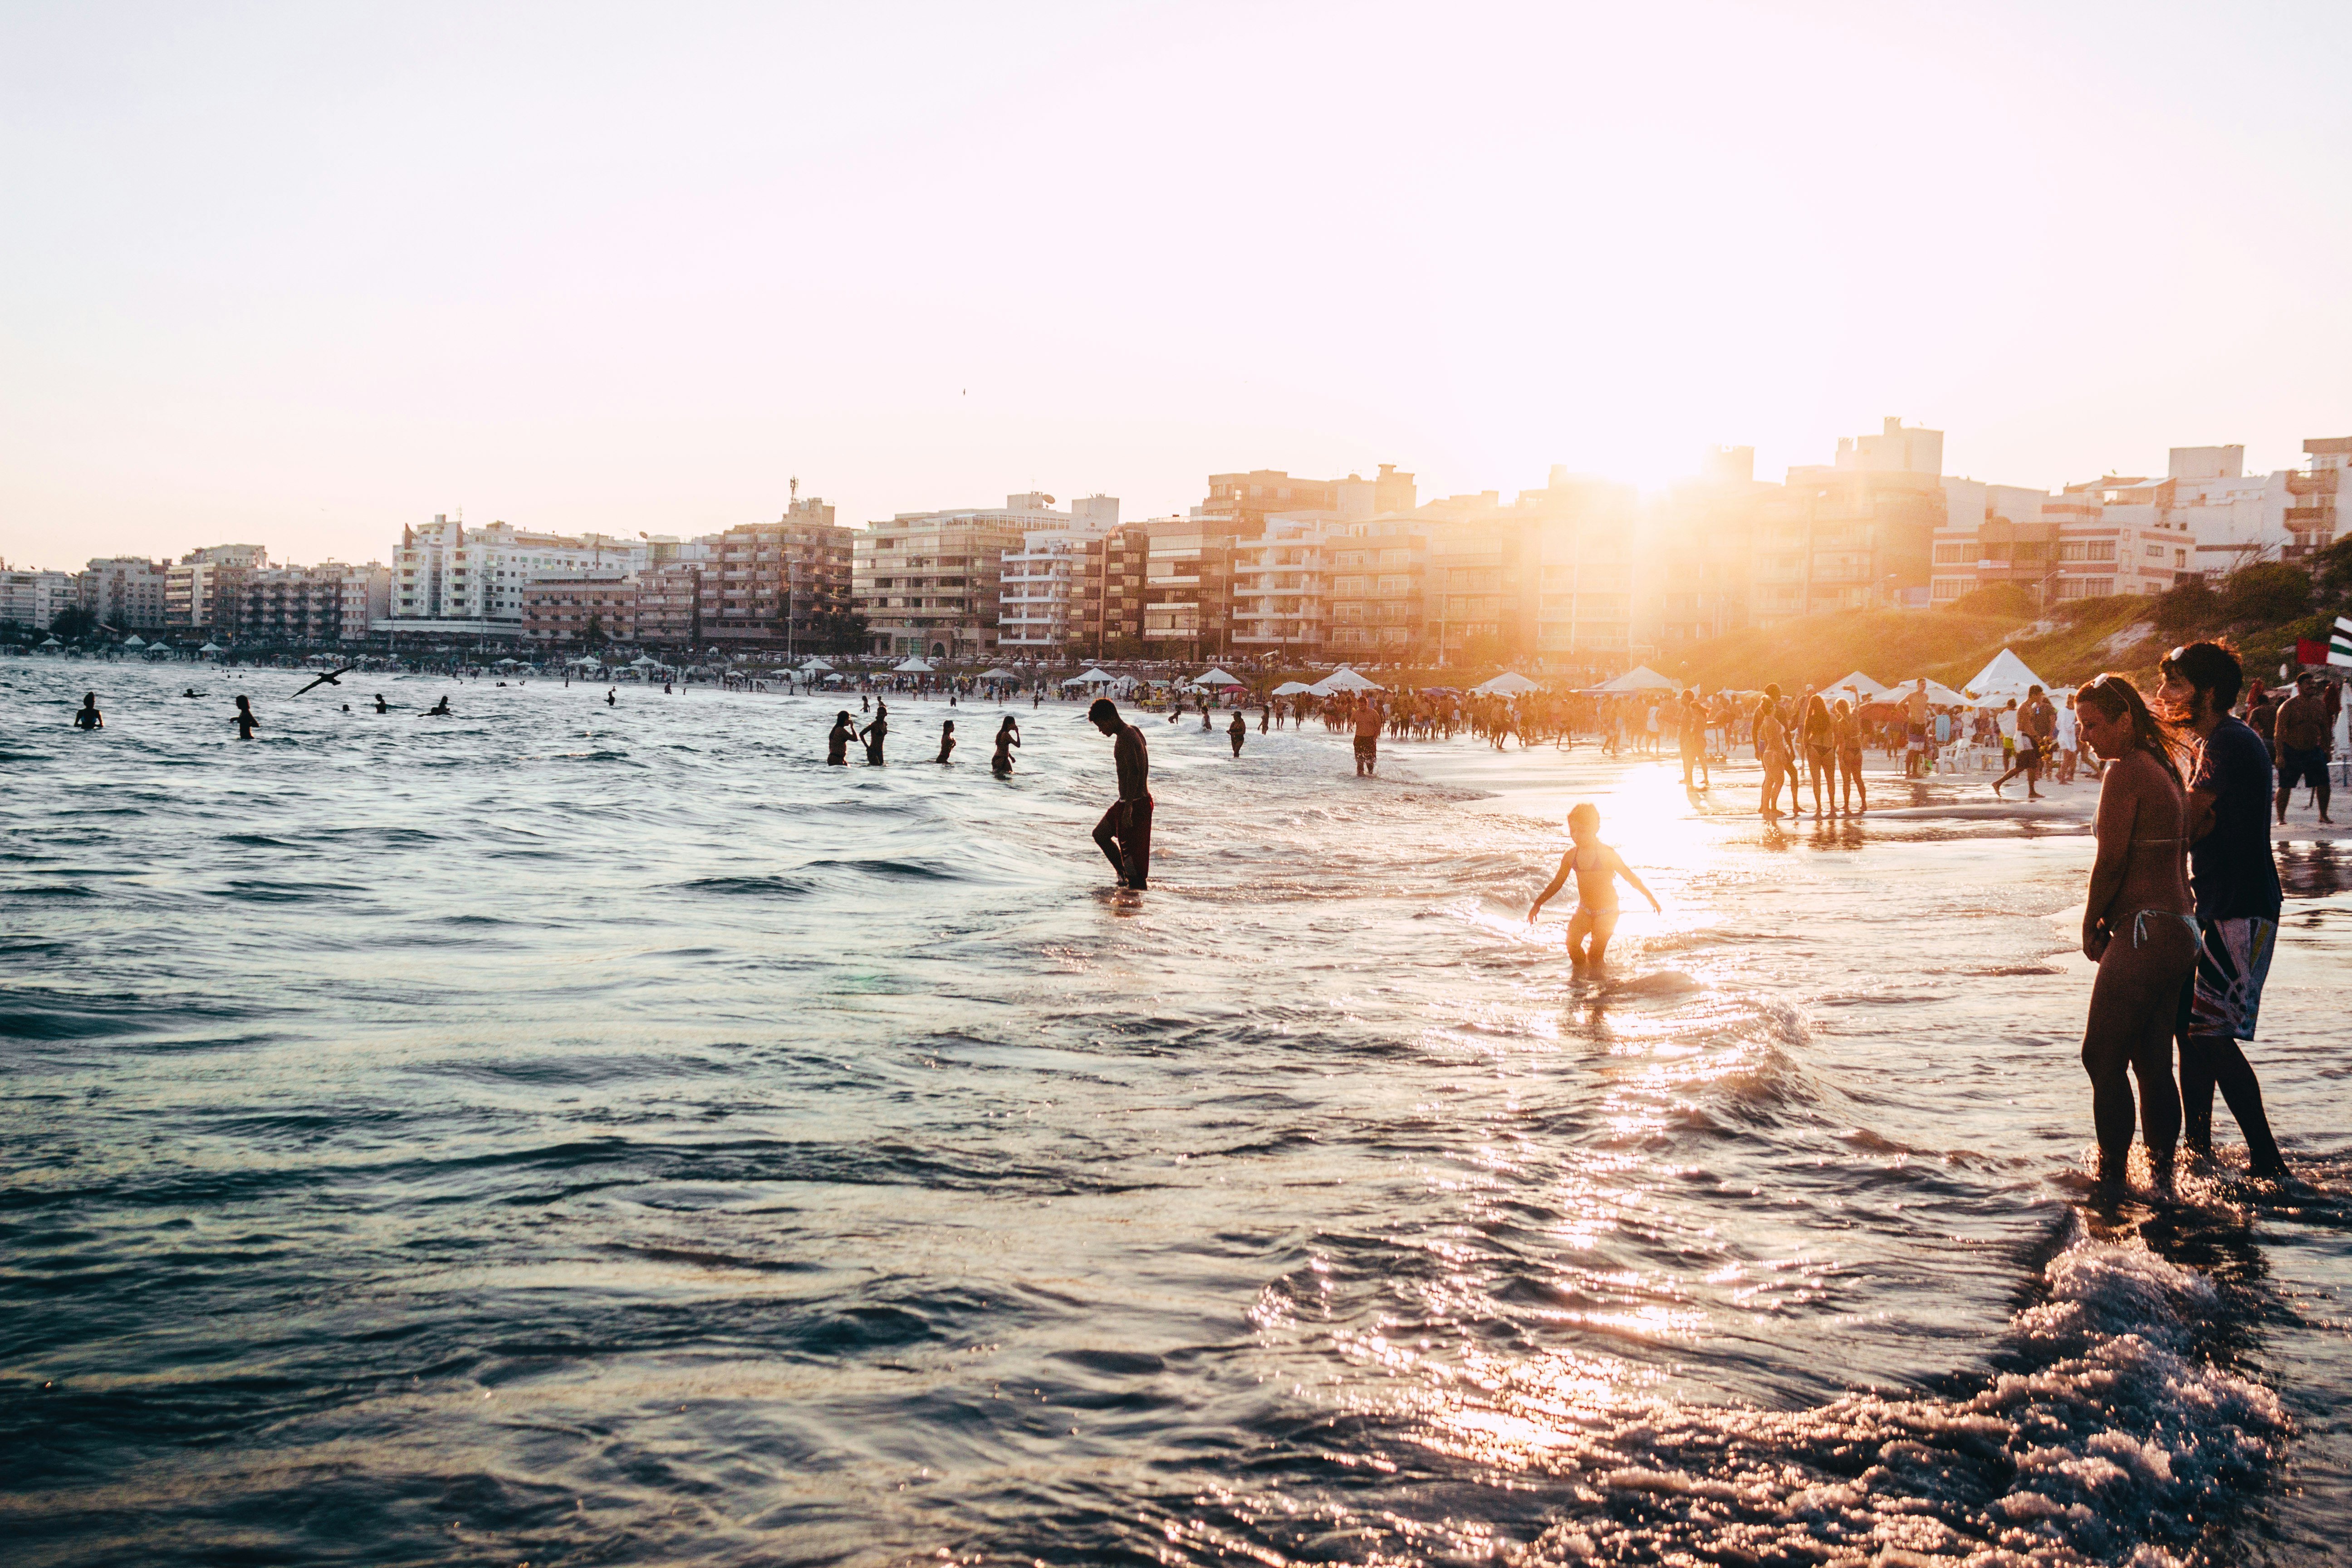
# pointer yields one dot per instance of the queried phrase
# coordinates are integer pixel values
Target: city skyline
(309, 277)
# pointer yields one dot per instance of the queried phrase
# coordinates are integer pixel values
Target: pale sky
(295, 275)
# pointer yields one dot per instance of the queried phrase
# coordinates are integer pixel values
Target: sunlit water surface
(566, 1133)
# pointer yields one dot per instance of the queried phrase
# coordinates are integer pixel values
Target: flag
(2339, 647)
(2307, 652)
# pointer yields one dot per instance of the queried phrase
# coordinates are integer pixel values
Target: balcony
(2318, 482)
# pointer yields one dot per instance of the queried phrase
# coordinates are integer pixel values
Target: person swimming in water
(947, 739)
(1597, 868)
(191, 691)
(438, 711)
(244, 720)
(1237, 732)
(1008, 735)
(611, 701)
(837, 744)
(89, 718)
(874, 734)
(381, 705)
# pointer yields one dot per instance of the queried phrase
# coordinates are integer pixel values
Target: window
(2072, 550)
(2103, 550)
(1950, 555)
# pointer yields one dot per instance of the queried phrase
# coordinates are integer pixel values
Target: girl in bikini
(1597, 868)
(2138, 926)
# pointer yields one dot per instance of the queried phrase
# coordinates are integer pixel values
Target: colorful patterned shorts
(2226, 994)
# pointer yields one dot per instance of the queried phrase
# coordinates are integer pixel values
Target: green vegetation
(2262, 609)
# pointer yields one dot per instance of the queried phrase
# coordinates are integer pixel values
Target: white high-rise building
(33, 598)
(1050, 594)
(448, 577)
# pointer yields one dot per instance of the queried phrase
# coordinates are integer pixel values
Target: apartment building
(126, 592)
(452, 579)
(1856, 533)
(1280, 587)
(786, 583)
(1051, 594)
(196, 585)
(593, 606)
(669, 604)
(929, 582)
(1239, 504)
(2310, 516)
(32, 598)
(1698, 547)
(332, 602)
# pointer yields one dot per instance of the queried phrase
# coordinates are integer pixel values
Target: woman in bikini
(837, 744)
(2138, 926)
(1597, 868)
(1773, 750)
(1846, 731)
(1820, 750)
(1008, 735)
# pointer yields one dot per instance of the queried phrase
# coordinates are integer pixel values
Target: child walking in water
(1597, 868)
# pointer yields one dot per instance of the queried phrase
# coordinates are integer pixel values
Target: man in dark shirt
(1124, 834)
(2237, 890)
(2303, 744)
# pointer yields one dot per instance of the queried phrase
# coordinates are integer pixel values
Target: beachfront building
(2310, 517)
(585, 609)
(2086, 543)
(669, 605)
(929, 582)
(32, 598)
(195, 585)
(786, 585)
(1239, 504)
(332, 602)
(1856, 533)
(450, 580)
(1051, 590)
(1280, 588)
(1696, 547)
(124, 591)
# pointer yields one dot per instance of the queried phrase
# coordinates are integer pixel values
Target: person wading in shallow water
(244, 720)
(947, 739)
(1597, 868)
(1368, 738)
(1124, 834)
(2138, 927)
(837, 744)
(874, 734)
(89, 718)
(1237, 732)
(1008, 735)
(2237, 889)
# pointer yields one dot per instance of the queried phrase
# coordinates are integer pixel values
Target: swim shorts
(2301, 764)
(1368, 748)
(2221, 1000)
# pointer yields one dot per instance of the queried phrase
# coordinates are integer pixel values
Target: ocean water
(574, 1134)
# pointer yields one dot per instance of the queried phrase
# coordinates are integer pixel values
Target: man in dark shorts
(2303, 744)
(1915, 729)
(1124, 834)
(2236, 887)
(1368, 737)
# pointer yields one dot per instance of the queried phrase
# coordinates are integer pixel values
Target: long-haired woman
(1821, 753)
(2138, 926)
(1773, 750)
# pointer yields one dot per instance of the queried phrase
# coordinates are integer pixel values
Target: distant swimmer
(1124, 834)
(380, 706)
(438, 711)
(89, 718)
(244, 720)
(1237, 732)
(333, 677)
(837, 744)
(611, 699)
(191, 691)
(947, 739)
(347, 707)
(1008, 735)
(874, 734)
(1597, 868)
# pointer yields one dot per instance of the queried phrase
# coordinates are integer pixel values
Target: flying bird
(333, 677)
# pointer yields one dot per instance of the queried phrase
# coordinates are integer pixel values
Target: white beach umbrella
(1510, 683)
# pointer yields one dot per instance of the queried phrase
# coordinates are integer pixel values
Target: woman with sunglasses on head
(2140, 927)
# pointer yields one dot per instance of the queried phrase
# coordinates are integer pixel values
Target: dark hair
(2211, 668)
(1102, 708)
(2115, 697)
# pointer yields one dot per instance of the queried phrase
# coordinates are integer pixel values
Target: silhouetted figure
(438, 711)
(244, 721)
(611, 699)
(947, 741)
(1237, 732)
(875, 733)
(89, 718)
(380, 706)
(1124, 834)
(1008, 735)
(837, 744)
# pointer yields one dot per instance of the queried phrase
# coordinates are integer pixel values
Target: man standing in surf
(1124, 832)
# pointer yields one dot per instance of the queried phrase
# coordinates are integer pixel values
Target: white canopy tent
(2006, 676)
(999, 673)
(1510, 683)
(134, 640)
(1861, 683)
(52, 642)
(1345, 680)
(1293, 688)
(1216, 677)
(1942, 695)
(816, 664)
(1091, 677)
(212, 647)
(1641, 678)
(912, 666)
(645, 662)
